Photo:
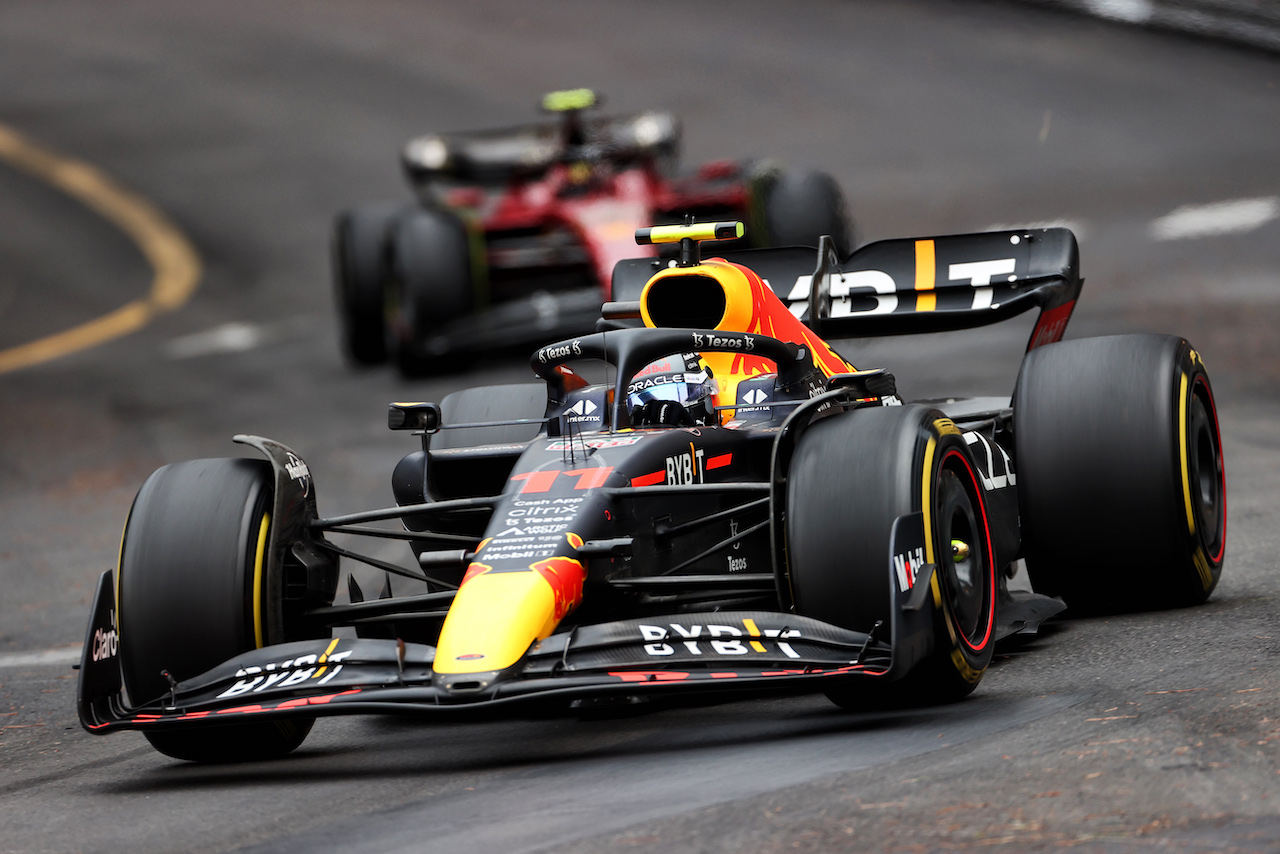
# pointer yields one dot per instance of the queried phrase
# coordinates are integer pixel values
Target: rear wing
(496, 156)
(932, 284)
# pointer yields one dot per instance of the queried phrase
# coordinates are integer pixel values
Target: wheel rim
(1207, 480)
(963, 555)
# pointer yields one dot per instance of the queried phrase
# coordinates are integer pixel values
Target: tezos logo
(546, 354)
(746, 342)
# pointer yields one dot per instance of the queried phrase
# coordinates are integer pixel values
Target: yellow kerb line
(167, 250)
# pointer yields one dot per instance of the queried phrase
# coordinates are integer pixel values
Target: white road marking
(1129, 11)
(66, 655)
(228, 338)
(1235, 216)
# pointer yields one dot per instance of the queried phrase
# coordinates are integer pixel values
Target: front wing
(688, 653)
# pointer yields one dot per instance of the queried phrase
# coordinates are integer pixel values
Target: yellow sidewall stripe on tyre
(926, 505)
(1198, 558)
(1182, 451)
(967, 671)
(173, 259)
(943, 426)
(259, 566)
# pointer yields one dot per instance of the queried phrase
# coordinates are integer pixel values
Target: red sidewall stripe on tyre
(991, 558)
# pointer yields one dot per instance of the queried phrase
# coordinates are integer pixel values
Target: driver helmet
(683, 382)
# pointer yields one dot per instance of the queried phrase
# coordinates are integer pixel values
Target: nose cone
(500, 611)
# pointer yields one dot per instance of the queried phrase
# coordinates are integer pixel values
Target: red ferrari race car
(515, 232)
(713, 501)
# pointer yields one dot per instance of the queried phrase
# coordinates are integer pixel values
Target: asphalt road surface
(246, 125)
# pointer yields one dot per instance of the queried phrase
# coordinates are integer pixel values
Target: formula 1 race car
(712, 501)
(516, 231)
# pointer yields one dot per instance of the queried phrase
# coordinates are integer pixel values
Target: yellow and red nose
(498, 613)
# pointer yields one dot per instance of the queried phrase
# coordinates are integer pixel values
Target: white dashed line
(66, 655)
(1230, 217)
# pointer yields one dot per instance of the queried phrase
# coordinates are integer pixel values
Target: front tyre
(195, 590)
(851, 477)
(1120, 474)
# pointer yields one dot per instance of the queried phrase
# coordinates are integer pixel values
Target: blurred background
(219, 140)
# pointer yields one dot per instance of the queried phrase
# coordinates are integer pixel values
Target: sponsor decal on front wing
(907, 566)
(716, 640)
(288, 673)
(298, 470)
(105, 643)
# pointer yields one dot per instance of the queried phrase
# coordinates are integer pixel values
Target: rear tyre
(1120, 476)
(360, 277)
(194, 591)
(432, 285)
(796, 208)
(852, 475)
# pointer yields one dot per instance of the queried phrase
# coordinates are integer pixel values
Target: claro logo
(105, 644)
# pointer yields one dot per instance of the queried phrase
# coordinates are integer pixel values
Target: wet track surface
(250, 125)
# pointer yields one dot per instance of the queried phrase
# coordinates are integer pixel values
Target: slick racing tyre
(192, 594)
(432, 285)
(1120, 476)
(360, 279)
(796, 208)
(854, 474)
